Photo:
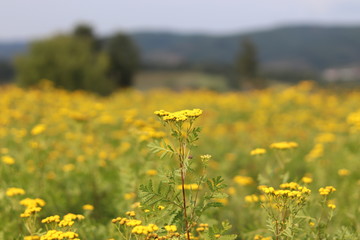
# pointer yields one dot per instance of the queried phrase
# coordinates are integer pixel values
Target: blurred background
(228, 45)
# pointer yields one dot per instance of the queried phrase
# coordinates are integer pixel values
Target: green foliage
(77, 62)
(247, 62)
(183, 197)
(218, 232)
(164, 193)
(84, 31)
(67, 61)
(247, 65)
(124, 59)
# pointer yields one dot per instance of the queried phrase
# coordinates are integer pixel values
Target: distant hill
(301, 47)
(310, 47)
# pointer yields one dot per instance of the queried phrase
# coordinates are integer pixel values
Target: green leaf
(213, 205)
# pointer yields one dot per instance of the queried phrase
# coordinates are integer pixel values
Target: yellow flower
(68, 167)
(32, 202)
(243, 180)
(331, 206)
(343, 172)
(307, 179)
(258, 151)
(88, 207)
(151, 172)
(55, 234)
(205, 157)
(136, 205)
(160, 207)
(14, 191)
(130, 213)
(179, 116)
(284, 145)
(132, 222)
(316, 152)
(38, 129)
(171, 228)
(129, 196)
(251, 198)
(145, 230)
(8, 160)
(325, 137)
(30, 211)
(231, 191)
(326, 190)
(55, 218)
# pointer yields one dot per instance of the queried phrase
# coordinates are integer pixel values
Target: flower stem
(182, 170)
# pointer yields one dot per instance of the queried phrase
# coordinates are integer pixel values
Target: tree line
(80, 60)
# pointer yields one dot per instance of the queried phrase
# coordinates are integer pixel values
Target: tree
(124, 59)
(247, 64)
(86, 33)
(68, 61)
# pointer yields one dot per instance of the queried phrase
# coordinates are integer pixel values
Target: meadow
(72, 163)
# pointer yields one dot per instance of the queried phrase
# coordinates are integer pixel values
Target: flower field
(77, 166)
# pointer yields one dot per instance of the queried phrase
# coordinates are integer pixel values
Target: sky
(31, 19)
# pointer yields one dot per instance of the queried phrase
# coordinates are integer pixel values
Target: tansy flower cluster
(202, 227)
(51, 219)
(258, 151)
(289, 190)
(325, 138)
(130, 213)
(284, 145)
(151, 172)
(59, 235)
(254, 198)
(69, 219)
(306, 179)
(145, 230)
(32, 206)
(127, 222)
(316, 152)
(148, 230)
(14, 191)
(331, 206)
(38, 129)
(8, 160)
(171, 228)
(243, 180)
(179, 116)
(205, 158)
(326, 190)
(343, 172)
(88, 207)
